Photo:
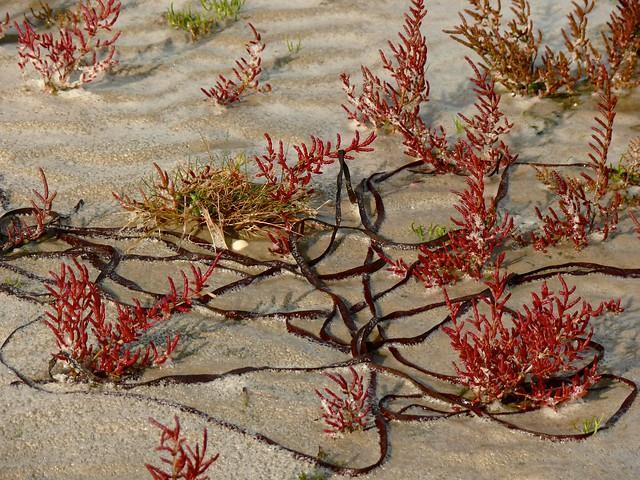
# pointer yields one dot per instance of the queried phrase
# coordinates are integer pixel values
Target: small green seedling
(590, 425)
(432, 232)
(14, 282)
(293, 46)
(223, 9)
(195, 23)
(457, 122)
(312, 476)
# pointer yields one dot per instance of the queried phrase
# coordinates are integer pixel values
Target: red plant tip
(18, 233)
(348, 410)
(246, 72)
(181, 460)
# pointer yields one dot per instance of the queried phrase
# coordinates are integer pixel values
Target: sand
(104, 138)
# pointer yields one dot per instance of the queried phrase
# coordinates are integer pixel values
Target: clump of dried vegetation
(227, 200)
(223, 200)
(513, 50)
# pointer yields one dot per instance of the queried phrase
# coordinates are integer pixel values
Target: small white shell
(238, 245)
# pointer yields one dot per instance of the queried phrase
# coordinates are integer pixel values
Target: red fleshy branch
(382, 103)
(533, 361)
(180, 459)
(246, 73)
(18, 233)
(601, 140)
(348, 410)
(77, 54)
(580, 213)
(466, 249)
(78, 310)
(396, 105)
(294, 178)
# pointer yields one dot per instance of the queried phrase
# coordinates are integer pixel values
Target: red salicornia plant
(583, 201)
(246, 73)
(78, 52)
(532, 362)
(293, 178)
(383, 103)
(512, 50)
(347, 410)
(179, 459)
(78, 313)
(395, 105)
(18, 233)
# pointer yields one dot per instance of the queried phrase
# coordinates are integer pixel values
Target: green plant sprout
(432, 232)
(293, 46)
(198, 24)
(14, 282)
(312, 476)
(590, 425)
(460, 128)
(223, 9)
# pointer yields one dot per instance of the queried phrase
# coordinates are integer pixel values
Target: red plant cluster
(582, 201)
(78, 310)
(384, 104)
(467, 248)
(246, 72)
(18, 233)
(293, 179)
(622, 46)
(348, 410)
(78, 53)
(511, 51)
(396, 105)
(182, 461)
(531, 362)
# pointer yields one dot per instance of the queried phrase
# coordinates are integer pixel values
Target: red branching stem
(182, 461)
(382, 103)
(348, 410)
(579, 211)
(18, 233)
(75, 55)
(246, 72)
(528, 362)
(293, 179)
(396, 105)
(467, 249)
(601, 140)
(78, 310)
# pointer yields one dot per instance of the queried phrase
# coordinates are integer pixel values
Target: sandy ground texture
(104, 138)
